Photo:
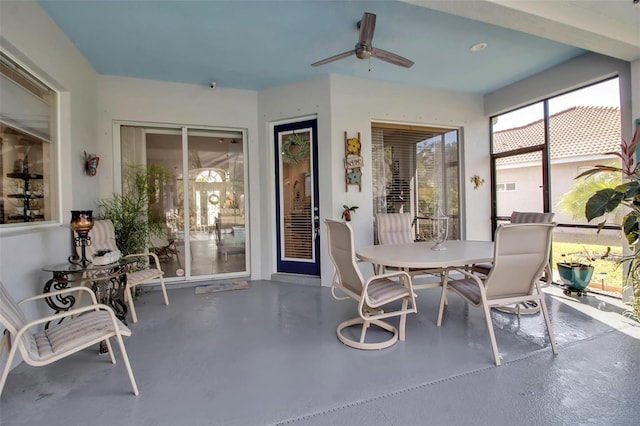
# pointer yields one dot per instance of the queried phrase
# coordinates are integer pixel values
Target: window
(28, 192)
(503, 187)
(544, 147)
(416, 169)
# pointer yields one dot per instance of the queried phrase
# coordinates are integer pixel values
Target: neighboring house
(579, 138)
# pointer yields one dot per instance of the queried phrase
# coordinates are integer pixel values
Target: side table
(107, 281)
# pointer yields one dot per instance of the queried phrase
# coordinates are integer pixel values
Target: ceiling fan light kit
(364, 49)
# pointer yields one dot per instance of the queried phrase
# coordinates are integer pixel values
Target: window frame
(55, 202)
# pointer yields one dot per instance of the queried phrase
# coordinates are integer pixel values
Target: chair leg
(125, 358)
(547, 321)
(110, 349)
(492, 335)
(129, 296)
(7, 365)
(403, 319)
(164, 291)
(443, 301)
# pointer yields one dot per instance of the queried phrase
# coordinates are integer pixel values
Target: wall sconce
(81, 223)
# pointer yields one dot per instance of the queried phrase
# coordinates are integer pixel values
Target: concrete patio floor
(269, 355)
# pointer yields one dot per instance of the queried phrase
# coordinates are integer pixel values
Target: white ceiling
(259, 44)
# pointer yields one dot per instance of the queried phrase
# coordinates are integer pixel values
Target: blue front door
(297, 220)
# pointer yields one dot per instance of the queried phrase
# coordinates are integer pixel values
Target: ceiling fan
(364, 49)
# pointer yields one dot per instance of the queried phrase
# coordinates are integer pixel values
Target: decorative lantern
(81, 223)
(439, 227)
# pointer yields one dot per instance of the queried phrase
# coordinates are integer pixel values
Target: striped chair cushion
(394, 228)
(384, 290)
(71, 334)
(469, 288)
(531, 217)
(103, 237)
(138, 277)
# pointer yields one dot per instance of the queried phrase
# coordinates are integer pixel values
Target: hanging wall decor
(353, 161)
(476, 181)
(91, 162)
(294, 149)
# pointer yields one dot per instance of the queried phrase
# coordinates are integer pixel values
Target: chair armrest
(153, 255)
(63, 291)
(390, 275)
(473, 276)
(71, 312)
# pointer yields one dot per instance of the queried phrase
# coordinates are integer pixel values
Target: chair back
(531, 217)
(342, 254)
(394, 228)
(103, 237)
(521, 255)
(12, 318)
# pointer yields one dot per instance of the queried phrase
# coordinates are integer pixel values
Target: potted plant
(346, 213)
(130, 211)
(627, 194)
(576, 274)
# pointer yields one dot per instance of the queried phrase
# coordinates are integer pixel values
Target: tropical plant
(626, 195)
(131, 212)
(572, 203)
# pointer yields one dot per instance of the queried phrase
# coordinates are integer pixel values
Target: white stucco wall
(31, 37)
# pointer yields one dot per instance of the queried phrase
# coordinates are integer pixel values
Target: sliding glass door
(197, 182)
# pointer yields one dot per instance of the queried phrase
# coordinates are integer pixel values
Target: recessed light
(478, 47)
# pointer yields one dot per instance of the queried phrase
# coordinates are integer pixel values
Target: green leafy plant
(346, 212)
(626, 195)
(130, 211)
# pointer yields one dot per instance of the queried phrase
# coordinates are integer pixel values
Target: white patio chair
(521, 254)
(371, 294)
(103, 237)
(397, 228)
(484, 268)
(82, 327)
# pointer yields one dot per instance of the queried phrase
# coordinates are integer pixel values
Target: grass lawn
(608, 268)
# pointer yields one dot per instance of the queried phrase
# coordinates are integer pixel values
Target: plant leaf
(602, 202)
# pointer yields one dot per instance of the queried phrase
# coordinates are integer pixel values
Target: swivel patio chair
(82, 327)
(514, 277)
(372, 294)
(397, 228)
(103, 237)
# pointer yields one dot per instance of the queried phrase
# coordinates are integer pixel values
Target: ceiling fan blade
(367, 28)
(392, 58)
(334, 58)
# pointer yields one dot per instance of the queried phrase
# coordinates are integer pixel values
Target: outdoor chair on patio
(372, 294)
(484, 268)
(82, 327)
(397, 228)
(520, 256)
(165, 249)
(103, 237)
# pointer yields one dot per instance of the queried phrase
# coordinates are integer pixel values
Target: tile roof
(575, 132)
